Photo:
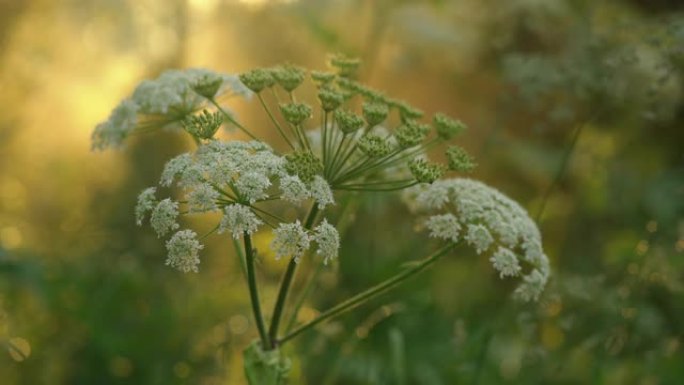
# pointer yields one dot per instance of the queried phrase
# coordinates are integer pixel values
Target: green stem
(367, 294)
(253, 290)
(275, 122)
(286, 284)
(232, 120)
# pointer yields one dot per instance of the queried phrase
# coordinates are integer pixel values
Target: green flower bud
(347, 121)
(447, 127)
(208, 85)
(345, 66)
(296, 113)
(203, 126)
(258, 79)
(375, 113)
(374, 146)
(330, 98)
(304, 164)
(349, 85)
(424, 171)
(289, 77)
(407, 111)
(411, 134)
(459, 160)
(322, 78)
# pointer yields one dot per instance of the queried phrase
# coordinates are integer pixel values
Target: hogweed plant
(354, 140)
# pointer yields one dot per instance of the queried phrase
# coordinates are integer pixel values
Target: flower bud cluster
(464, 210)
(204, 125)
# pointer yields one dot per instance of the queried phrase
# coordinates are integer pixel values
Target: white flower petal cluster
(444, 226)
(490, 219)
(293, 189)
(239, 219)
(321, 192)
(146, 203)
(121, 122)
(217, 168)
(203, 198)
(172, 90)
(163, 218)
(170, 96)
(183, 250)
(290, 239)
(328, 240)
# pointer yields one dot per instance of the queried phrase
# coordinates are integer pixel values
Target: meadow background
(574, 109)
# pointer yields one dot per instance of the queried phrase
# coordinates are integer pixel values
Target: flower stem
(286, 284)
(367, 294)
(253, 290)
(231, 119)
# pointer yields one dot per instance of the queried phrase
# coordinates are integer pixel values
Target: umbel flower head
(164, 102)
(366, 142)
(465, 210)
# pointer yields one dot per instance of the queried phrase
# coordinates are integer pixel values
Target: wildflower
(322, 78)
(252, 186)
(257, 79)
(304, 164)
(505, 261)
(290, 239)
(328, 240)
(532, 286)
(239, 219)
(203, 126)
(347, 121)
(330, 99)
(289, 77)
(202, 198)
(207, 85)
(374, 146)
(293, 189)
(163, 218)
(425, 172)
(375, 113)
(146, 202)
(444, 226)
(479, 237)
(407, 111)
(175, 167)
(489, 218)
(183, 250)
(345, 66)
(459, 160)
(113, 131)
(447, 127)
(411, 134)
(296, 113)
(321, 192)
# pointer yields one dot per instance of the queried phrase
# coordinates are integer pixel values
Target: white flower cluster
(230, 177)
(293, 240)
(183, 250)
(463, 209)
(170, 97)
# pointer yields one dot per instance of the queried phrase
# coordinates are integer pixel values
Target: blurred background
(574, 109)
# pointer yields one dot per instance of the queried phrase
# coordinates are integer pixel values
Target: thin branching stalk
(368, 294)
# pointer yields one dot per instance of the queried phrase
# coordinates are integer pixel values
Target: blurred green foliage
(574, 106)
